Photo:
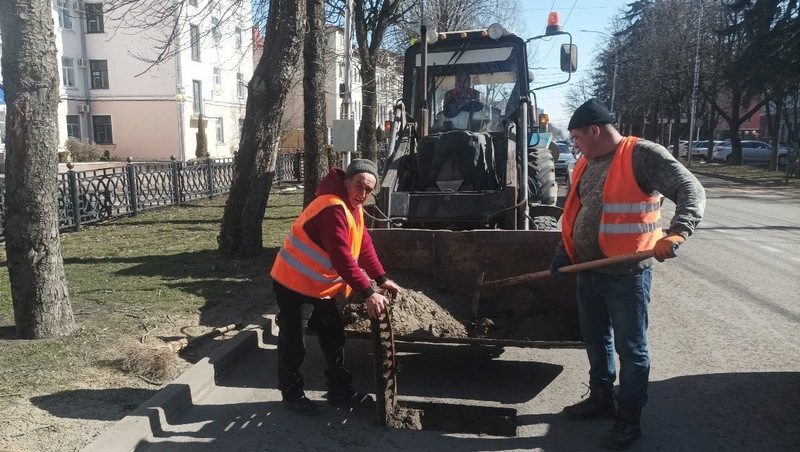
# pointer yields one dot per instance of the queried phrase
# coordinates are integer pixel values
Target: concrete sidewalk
(230, 401)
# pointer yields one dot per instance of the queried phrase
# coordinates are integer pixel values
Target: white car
(752, 152)
(699, 149)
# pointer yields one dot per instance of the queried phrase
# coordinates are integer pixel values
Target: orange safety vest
(302, 266)
(630, 220)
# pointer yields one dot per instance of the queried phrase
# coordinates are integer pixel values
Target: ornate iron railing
(109, 193)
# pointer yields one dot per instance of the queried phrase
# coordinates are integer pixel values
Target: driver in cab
(462, 98)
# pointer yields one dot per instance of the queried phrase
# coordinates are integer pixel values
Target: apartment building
(388, 81)
(388, 84)
(112, 96)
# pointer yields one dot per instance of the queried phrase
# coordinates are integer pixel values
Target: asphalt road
(725, 363)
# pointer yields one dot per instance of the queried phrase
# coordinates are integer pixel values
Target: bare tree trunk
(30, 74)
(315, 157)
(254, 166)
(774, 127)
(366, 130)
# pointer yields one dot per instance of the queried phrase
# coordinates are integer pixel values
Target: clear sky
(575, 15)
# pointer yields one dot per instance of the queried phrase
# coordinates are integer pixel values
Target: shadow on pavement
(97, 404)
(733, 411)
(739, 412)
(425, 370)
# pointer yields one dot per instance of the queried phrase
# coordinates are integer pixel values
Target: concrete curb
(742, 180)
(171, 400)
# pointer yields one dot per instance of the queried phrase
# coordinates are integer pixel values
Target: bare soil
(418, 310)
(422, 311)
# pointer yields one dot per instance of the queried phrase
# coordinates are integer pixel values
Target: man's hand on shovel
(666, 247)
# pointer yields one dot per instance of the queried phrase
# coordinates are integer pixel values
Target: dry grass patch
(754, 175)
(136, 284)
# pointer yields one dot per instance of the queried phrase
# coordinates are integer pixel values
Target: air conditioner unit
(83, 108)
(82, 62)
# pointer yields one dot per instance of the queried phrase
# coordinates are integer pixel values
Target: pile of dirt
(418, 310)
(422, 311)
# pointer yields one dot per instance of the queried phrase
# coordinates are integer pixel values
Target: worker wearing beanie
(615, 209)
(323, 255)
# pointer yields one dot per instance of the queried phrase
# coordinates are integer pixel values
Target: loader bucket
(537, 314)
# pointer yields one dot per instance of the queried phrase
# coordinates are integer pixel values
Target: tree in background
(201, 149)
(315, 125)
(371, 19)
(35, 265)
(254, 167)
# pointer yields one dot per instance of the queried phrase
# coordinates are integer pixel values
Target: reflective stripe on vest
(303, 266)
(630, 219)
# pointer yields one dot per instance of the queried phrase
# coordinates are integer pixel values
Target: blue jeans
(617, 302)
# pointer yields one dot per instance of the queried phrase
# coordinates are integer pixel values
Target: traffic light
(543, 121)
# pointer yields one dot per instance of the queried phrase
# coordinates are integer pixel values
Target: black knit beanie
(592, 112)
(362, 166)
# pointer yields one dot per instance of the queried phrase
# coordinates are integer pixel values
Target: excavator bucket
(538, 314)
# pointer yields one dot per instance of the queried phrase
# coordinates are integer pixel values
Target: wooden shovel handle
(606, 261)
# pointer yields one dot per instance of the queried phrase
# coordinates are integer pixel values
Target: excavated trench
(423, 312)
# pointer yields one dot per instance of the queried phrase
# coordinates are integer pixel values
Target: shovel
(528, 277)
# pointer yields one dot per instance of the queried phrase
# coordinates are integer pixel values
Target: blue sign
(2, 95)
(540, 139)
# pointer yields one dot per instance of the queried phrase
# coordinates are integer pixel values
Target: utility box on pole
(343, 136)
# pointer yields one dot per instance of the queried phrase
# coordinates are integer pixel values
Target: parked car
(565, 157)
(681, 146)
(699, 149)
(752, 152)
(570, 170)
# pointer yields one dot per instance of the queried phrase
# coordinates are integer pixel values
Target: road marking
(770, 249)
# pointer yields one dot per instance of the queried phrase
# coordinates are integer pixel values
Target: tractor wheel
(542, 177)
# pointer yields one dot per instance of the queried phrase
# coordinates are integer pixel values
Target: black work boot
(350, 398)
(599, 404)
(301, 404)
(626, 428)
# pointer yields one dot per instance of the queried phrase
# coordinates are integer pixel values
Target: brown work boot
(626, 428)
(599, 404)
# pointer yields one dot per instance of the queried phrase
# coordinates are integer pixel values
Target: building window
(94, 18)
(99, 70)
(193, 2)
(74, 126)
(64, 18)
(101, 128)
(217, 78)
(68, 72)
(238, 38)
(194, 39)
(216, 33)
(197, 97)
(241, 127)
(220, 131)
(99, 74)
(240, 85)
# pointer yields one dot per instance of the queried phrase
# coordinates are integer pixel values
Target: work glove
(666, 246)
(559, 260)
(391, 286)
(376, 304)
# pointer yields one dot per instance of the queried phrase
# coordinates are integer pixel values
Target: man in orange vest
(615, 209)
(323, 255)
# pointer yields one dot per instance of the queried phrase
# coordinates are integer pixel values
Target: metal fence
(92, 196)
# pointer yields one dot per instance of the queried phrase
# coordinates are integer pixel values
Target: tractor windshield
(471, 88)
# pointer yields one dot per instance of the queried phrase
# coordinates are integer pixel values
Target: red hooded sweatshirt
(328, 229)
